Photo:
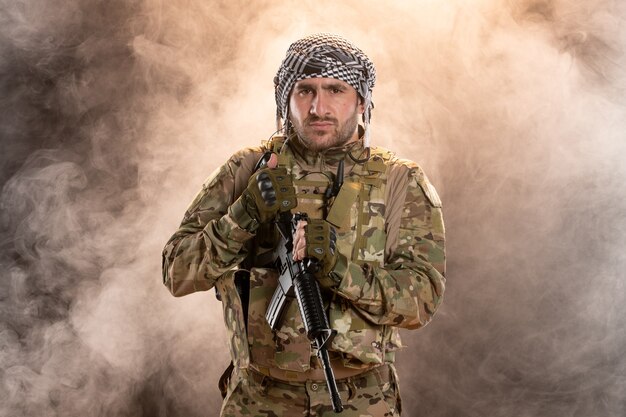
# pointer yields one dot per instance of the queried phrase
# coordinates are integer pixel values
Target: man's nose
(319, 104)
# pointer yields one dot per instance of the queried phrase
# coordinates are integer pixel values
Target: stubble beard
(316, 141)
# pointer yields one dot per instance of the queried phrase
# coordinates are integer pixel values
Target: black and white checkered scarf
(325, 55)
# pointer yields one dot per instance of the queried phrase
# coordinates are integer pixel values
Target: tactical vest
(358, 213)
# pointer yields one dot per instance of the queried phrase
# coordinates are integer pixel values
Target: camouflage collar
(330, 156)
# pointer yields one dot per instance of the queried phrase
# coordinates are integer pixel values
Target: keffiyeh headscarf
(325, 56)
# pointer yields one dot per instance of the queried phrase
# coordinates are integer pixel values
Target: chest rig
(357, 211)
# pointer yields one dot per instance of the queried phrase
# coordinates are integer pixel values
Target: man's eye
(305, 91)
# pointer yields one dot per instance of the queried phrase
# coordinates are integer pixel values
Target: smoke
(113, 113)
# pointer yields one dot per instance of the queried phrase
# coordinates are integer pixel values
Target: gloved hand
(269, 191)
(317, 239)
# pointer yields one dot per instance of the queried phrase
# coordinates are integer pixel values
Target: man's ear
(361, 104)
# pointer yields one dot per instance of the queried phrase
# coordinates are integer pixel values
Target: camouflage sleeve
(408, 289)
(211, 238)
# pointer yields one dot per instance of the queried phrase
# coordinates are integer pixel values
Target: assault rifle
(297, 281)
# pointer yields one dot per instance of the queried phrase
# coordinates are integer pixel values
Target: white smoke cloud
(113, 114)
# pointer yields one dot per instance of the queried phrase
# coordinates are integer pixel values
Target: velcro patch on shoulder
(428, 188)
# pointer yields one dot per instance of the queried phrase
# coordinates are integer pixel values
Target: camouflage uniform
(390, 270)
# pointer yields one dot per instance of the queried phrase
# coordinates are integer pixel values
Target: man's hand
(316, 238)
(269, 191)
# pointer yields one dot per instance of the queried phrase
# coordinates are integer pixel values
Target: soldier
(375, 225)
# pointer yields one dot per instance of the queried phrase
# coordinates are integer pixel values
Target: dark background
(113, 113)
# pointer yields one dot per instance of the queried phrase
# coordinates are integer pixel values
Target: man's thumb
(273, 161)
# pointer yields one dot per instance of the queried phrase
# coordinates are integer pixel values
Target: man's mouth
(321, 123)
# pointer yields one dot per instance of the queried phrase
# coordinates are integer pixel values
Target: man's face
(324, 112)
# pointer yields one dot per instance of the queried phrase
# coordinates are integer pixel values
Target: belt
(379, 373)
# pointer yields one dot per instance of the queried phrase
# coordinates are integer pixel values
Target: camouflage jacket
(391, 265)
